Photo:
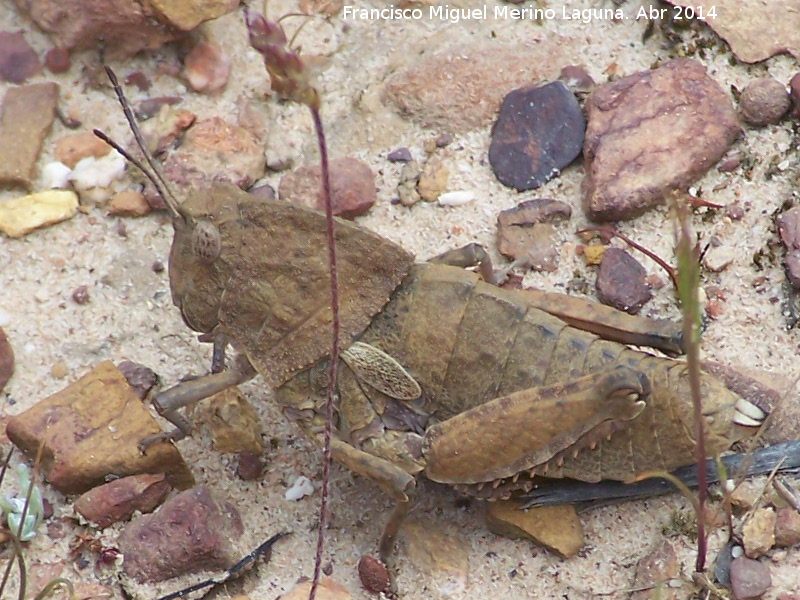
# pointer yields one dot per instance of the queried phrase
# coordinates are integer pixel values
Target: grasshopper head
(204, 252)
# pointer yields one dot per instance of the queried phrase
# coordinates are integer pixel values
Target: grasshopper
(442, 375)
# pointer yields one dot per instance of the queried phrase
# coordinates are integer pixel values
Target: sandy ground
(130, 315)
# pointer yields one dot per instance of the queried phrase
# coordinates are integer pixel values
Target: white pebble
(456, 198)
(301, 488)
(91, 172)
(55, 175)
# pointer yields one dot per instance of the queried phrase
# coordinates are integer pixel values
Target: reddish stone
(352, 187)
(117, 500)
(192, 532)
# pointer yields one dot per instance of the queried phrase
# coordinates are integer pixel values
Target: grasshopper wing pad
(379, 370)
(276, 306)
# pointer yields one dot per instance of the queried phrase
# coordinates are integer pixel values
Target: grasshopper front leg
(170, 401)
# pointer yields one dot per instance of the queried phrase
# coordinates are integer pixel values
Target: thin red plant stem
(334, 355)
(649, 253)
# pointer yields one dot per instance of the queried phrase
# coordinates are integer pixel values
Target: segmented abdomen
(467, 342)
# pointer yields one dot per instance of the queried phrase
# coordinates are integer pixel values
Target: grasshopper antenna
(154, 173)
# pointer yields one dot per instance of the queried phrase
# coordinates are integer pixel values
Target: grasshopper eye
(206, 242)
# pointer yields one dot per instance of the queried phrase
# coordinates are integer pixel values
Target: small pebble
(593, 255)
(6, 360)
(750, 579)
(444, 140)
(432, 181)
(57, 60)
(373, 574)
(734, 211)
(787, 527)
(758, 533)
(207, 68)
(764, 102)
(407, 186)
(577, 79)
(139, 377)
(250, 466)
(92, 172)
(301, 488)
(59, 370)
(539, 131)
(55, 175)
(80, 295)
(20, 216)
(128, 203)
(18, 61)
(158, 266)
(353, 190)
(456, 198)
(794, 93)
(621, 282)
(71, 149)
(138, 79)
(266, 191)
(399, 155)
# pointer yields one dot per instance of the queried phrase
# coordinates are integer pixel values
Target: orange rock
(90, 430)
(72, 148)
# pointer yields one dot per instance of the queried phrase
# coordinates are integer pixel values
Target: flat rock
(622, 282)
(787, 527)
(91, 430)
(214, 150)
(20, 216)
(124, 27)
(233, 422)
(193, 531)
(538, 132)
(117, 500)
(526, 232)
(6, 359)
(750, 579)
(353, 190)
(557, 528)
(742, 23)
(71, 148)
(650, 133)
(18, 61)
(654, 571)
(764, 102)
(461, 88)
(758, 533)
(789, 229)
(28, 114)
